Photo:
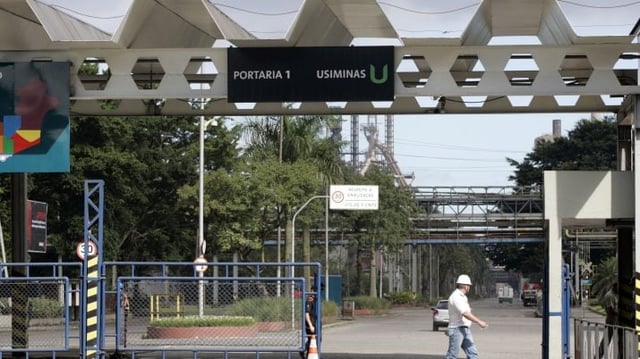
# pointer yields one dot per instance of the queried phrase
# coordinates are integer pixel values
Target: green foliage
(367, 302)
(527, 259)
(404, 298)
(605, 275)
(267, 309)
(385, 229)
(45, 308)
(204, 321)
(591, 145)
(329, 308)
(143, 161)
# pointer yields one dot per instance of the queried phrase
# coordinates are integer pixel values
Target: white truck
(505, 292)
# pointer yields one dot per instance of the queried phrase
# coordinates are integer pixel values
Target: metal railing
(603, 341)
(156, 307)
(38, 308)
(244, 308)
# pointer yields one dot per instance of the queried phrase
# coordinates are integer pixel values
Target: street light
(293, 247)
(201, 245)
(326, 239)
(293, 226)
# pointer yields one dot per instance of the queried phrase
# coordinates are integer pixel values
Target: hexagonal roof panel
(199, 23)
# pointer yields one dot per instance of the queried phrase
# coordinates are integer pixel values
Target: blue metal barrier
(566, 310)
(49, 328)
(159, 291)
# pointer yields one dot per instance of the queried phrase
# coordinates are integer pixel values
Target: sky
(466, 150)
(439, 150)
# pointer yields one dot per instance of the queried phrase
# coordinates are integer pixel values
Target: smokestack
(557, 128)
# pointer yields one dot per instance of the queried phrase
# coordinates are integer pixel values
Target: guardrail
(603, 341)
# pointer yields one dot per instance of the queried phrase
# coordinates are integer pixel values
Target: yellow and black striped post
(19, 315)
(91, 347)
(90, 252)
(636, 300)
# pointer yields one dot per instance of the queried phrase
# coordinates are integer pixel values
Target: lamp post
(326, 239)
(293, 247)
(293, 226)
(201, 245)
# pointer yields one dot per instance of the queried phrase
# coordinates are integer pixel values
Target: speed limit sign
(92, 249)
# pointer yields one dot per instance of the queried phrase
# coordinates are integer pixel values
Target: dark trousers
(307, 344)
(606, 341)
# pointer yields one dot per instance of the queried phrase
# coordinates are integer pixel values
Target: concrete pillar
(553, 296)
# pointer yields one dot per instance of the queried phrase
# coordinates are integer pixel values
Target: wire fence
(155, 307)
(210, 313)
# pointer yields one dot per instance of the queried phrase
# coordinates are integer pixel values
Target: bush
(329, 309)
(404, 298)
(366, 302)
(205, 321)
(46, 308)
(269, 309)
(275, 309)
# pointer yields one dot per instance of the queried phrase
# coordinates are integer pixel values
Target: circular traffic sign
(92, 249)
(337, 196)
(201, 267)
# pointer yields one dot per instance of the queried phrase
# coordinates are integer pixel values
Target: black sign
(37, 226)
(296, 74)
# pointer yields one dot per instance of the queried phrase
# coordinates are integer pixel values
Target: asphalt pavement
(406, 333)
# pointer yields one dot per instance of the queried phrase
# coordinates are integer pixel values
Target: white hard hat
(463, 279)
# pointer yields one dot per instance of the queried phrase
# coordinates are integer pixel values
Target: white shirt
(458, 305)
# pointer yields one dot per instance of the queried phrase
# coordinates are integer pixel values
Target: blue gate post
(566, 310)
(92, 343)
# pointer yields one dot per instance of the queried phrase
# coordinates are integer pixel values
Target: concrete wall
(571, 196)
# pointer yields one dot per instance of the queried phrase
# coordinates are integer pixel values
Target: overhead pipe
(598, 235)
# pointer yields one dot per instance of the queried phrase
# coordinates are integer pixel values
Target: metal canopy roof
(155, 55)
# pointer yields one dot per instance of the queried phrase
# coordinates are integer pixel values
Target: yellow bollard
(151, 308)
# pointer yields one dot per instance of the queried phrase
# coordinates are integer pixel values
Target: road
(406, 333)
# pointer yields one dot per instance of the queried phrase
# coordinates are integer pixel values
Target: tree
(143, 162)
(605, 276)
(591, 145)
(292, 140)
(385, 229)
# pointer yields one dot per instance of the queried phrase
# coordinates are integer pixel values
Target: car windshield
(443, 305)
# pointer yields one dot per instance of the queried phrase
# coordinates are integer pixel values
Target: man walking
(460, 319)
(610, 304)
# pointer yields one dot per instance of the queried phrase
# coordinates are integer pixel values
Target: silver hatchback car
(440, 315)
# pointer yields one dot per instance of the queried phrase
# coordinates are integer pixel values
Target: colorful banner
(34, 117)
